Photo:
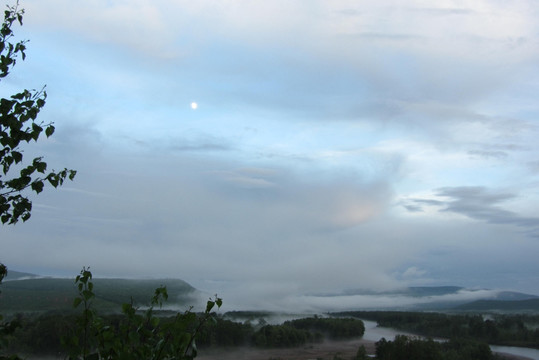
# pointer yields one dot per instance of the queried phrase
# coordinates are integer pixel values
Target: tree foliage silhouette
(19, 126)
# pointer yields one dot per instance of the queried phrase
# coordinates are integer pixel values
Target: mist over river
(375, 333)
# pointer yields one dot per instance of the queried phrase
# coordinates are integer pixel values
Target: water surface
(375, 333)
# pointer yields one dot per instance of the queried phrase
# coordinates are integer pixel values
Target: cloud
(138, 25)
(376, 301)
(488, 154)
(388, 37)
(533, 166)
(201, 146)
(248, 178)
(479, 203)
(496, 151)
(413, 272)
(446, 11)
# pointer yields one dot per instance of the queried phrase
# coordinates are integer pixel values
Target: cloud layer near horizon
(336, 145)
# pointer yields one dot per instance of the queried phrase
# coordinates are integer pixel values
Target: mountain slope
(425, 298)
(43, 294)
(17, 275)
(531, 305)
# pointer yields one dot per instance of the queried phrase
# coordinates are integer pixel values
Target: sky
(335, 145)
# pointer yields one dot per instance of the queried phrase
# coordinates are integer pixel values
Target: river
(375, 333)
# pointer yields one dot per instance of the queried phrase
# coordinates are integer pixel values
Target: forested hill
(530, 305)
(44, 294)
(17, 275)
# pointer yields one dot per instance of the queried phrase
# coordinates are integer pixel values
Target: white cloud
(413, 272)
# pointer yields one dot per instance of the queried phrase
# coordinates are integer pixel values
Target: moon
(194, 105)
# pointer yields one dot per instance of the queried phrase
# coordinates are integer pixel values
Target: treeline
(499, 329)
(43, 334)
(410, 348)
(312, 329)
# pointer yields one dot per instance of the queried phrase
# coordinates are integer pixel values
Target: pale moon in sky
(194, 105)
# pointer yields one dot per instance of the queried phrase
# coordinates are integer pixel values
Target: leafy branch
(18, 125)
(139, 334)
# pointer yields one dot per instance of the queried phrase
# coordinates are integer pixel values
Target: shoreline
(325, 350)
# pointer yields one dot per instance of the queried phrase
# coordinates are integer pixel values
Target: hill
(17, 275)
(420, 298)
(45, 294)
(527, 305)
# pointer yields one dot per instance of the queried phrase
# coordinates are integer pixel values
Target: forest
(497, 329)
(404, 348)
(46, 334)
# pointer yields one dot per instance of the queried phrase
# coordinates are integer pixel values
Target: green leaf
(32, 114)
(41, 166)
(87, 294)
(18, 96)
(209, 305)
(53, 180)
(26, 216)
(76, 302)
(27, 171)
(49, 130)
(127, 308)
(36, 129)
(37, 186)
(17, 156)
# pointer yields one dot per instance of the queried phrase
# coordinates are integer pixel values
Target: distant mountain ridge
(514, 296)
(25, 292)
(434, 298)
(17, 275)
(501, 305)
